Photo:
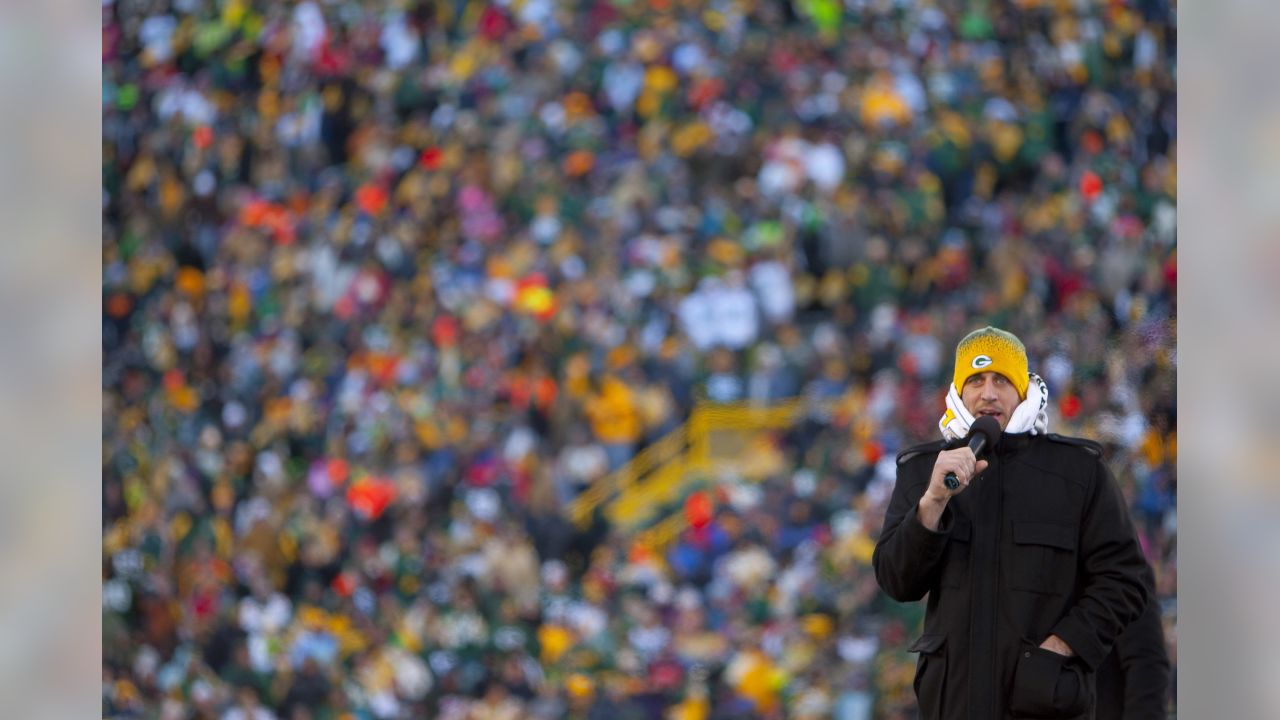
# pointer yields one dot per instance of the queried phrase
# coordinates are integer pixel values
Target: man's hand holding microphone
(955, 469)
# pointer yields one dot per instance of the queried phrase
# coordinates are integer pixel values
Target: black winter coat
(1133, 682)
(1040, 544)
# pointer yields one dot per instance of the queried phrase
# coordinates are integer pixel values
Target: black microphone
(985, 431)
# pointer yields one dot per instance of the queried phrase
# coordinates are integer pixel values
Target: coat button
(1026, 654)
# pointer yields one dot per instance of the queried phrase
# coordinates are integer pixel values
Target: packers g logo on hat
(991, 349)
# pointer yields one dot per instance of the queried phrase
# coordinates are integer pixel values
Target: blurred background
(532, 359)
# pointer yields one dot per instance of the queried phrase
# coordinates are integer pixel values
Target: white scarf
(1029, 416)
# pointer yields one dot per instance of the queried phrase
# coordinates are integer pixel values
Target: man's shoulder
(923, 449)
(1066, 443)
(1085, 445)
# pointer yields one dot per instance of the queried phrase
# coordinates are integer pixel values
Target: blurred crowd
(386, 284)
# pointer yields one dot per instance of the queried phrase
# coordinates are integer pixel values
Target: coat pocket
(931, 674)
(956, 565)
(1049, 685)
(1044, 557)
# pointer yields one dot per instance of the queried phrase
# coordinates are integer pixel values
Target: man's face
(990, 393)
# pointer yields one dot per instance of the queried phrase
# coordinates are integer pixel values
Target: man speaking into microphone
(1028, 557)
